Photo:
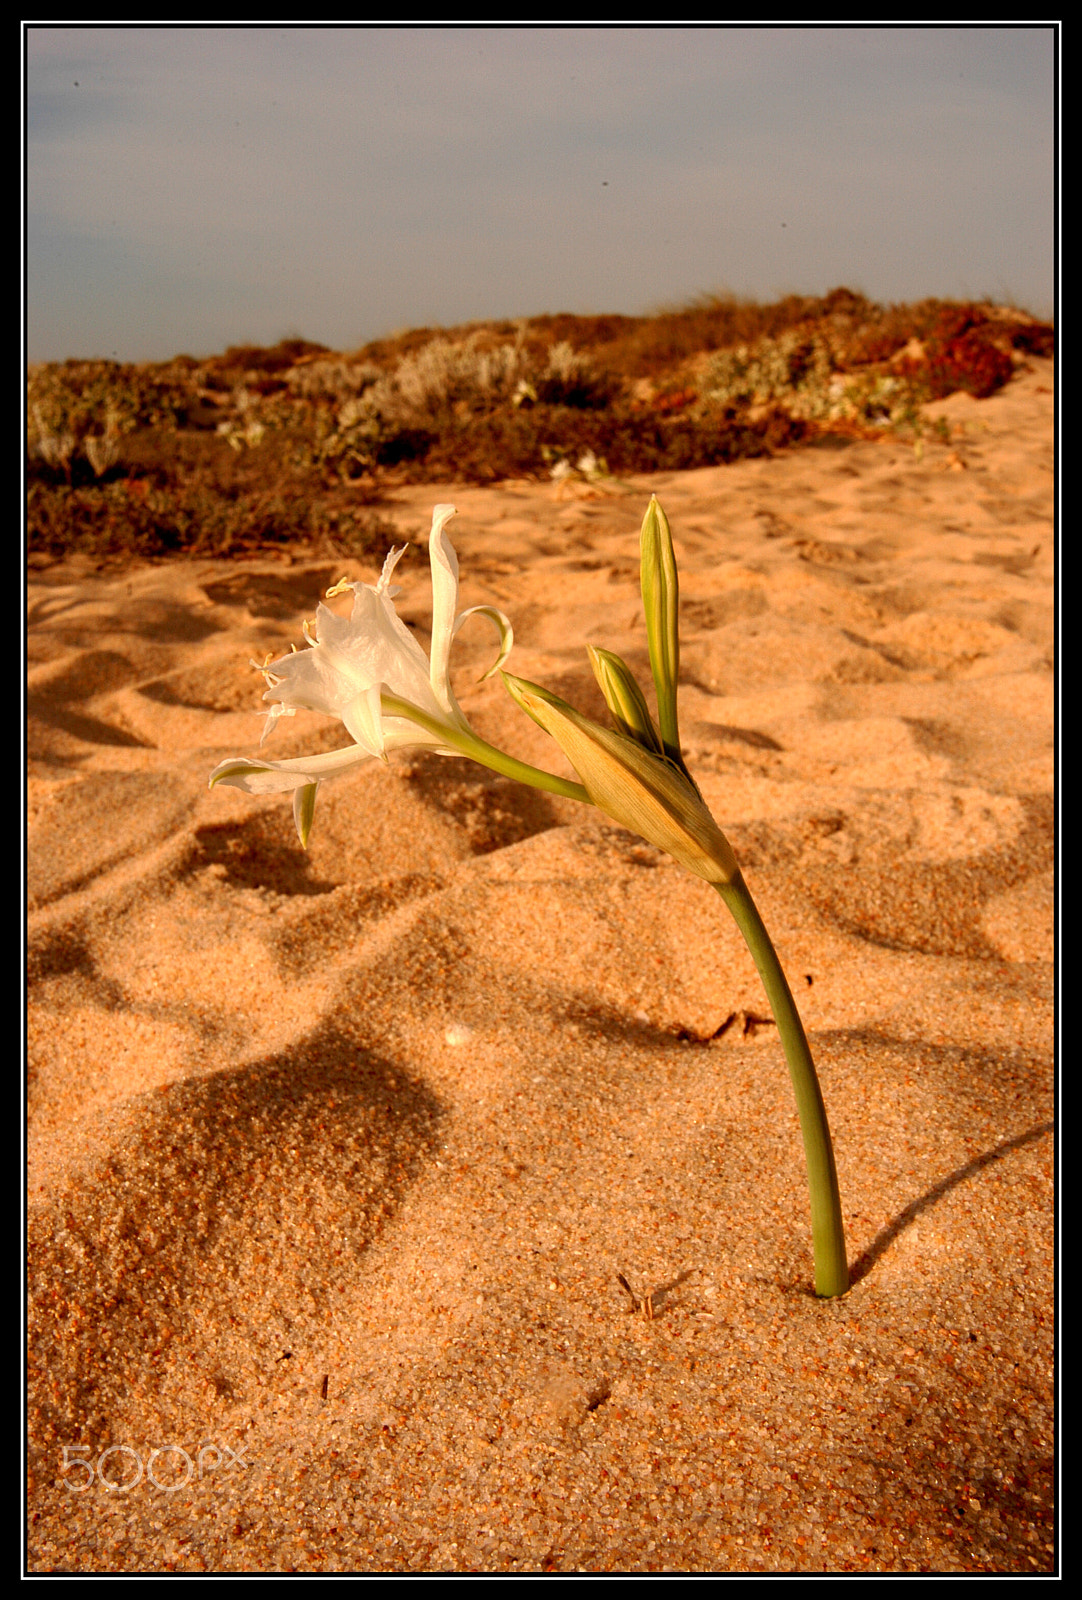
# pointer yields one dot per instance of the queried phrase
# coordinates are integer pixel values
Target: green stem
(466, 742)
(828, 1235)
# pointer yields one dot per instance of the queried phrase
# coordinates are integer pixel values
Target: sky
(191, 188)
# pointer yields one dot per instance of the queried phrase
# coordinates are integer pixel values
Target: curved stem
(466, 743)
(828, 1234)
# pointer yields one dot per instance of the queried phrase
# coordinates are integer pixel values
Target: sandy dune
(334, 1158)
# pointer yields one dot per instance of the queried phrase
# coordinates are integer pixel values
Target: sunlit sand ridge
(337, 1159)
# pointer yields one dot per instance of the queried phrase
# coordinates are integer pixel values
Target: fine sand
(335, 1158)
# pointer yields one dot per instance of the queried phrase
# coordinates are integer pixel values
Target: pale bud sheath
(643, 792)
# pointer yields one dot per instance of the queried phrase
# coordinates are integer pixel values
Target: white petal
(351, 663)
(363, 719)
(353, 655)
(507, 634)
(279, 777)
(444, 565)
(304, 809)
(272, 717)
(369, 642)
(310, 680)
(383, 583)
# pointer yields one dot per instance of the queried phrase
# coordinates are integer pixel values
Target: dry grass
(293, 445)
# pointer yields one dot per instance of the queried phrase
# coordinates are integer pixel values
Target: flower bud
(661, 604)
(624, 698)
(637, 789)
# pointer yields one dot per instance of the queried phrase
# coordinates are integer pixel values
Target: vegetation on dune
(293, 445)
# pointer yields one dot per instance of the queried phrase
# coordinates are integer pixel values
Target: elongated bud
(637, 789)
(624, 698)
(661, 605)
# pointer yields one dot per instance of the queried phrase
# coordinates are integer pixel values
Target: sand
(336, 1160)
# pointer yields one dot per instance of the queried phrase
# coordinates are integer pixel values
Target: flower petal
(369, 671)
(310, 680)
(351, 656)
(279, 777)
(507, 634)
(304, 809)
(444, 564)
(363, 719)
(372, 645)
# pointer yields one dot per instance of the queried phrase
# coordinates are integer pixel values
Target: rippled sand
(335, 1158)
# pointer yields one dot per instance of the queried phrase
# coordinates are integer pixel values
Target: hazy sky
(191, 188)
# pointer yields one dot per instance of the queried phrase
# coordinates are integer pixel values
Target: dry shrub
(288, 444)
(172, 495)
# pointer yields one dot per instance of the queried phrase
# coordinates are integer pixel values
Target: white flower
(369, 671)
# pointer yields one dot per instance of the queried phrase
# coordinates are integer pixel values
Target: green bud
(624, 698)
(661, 605)
(639, 790)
